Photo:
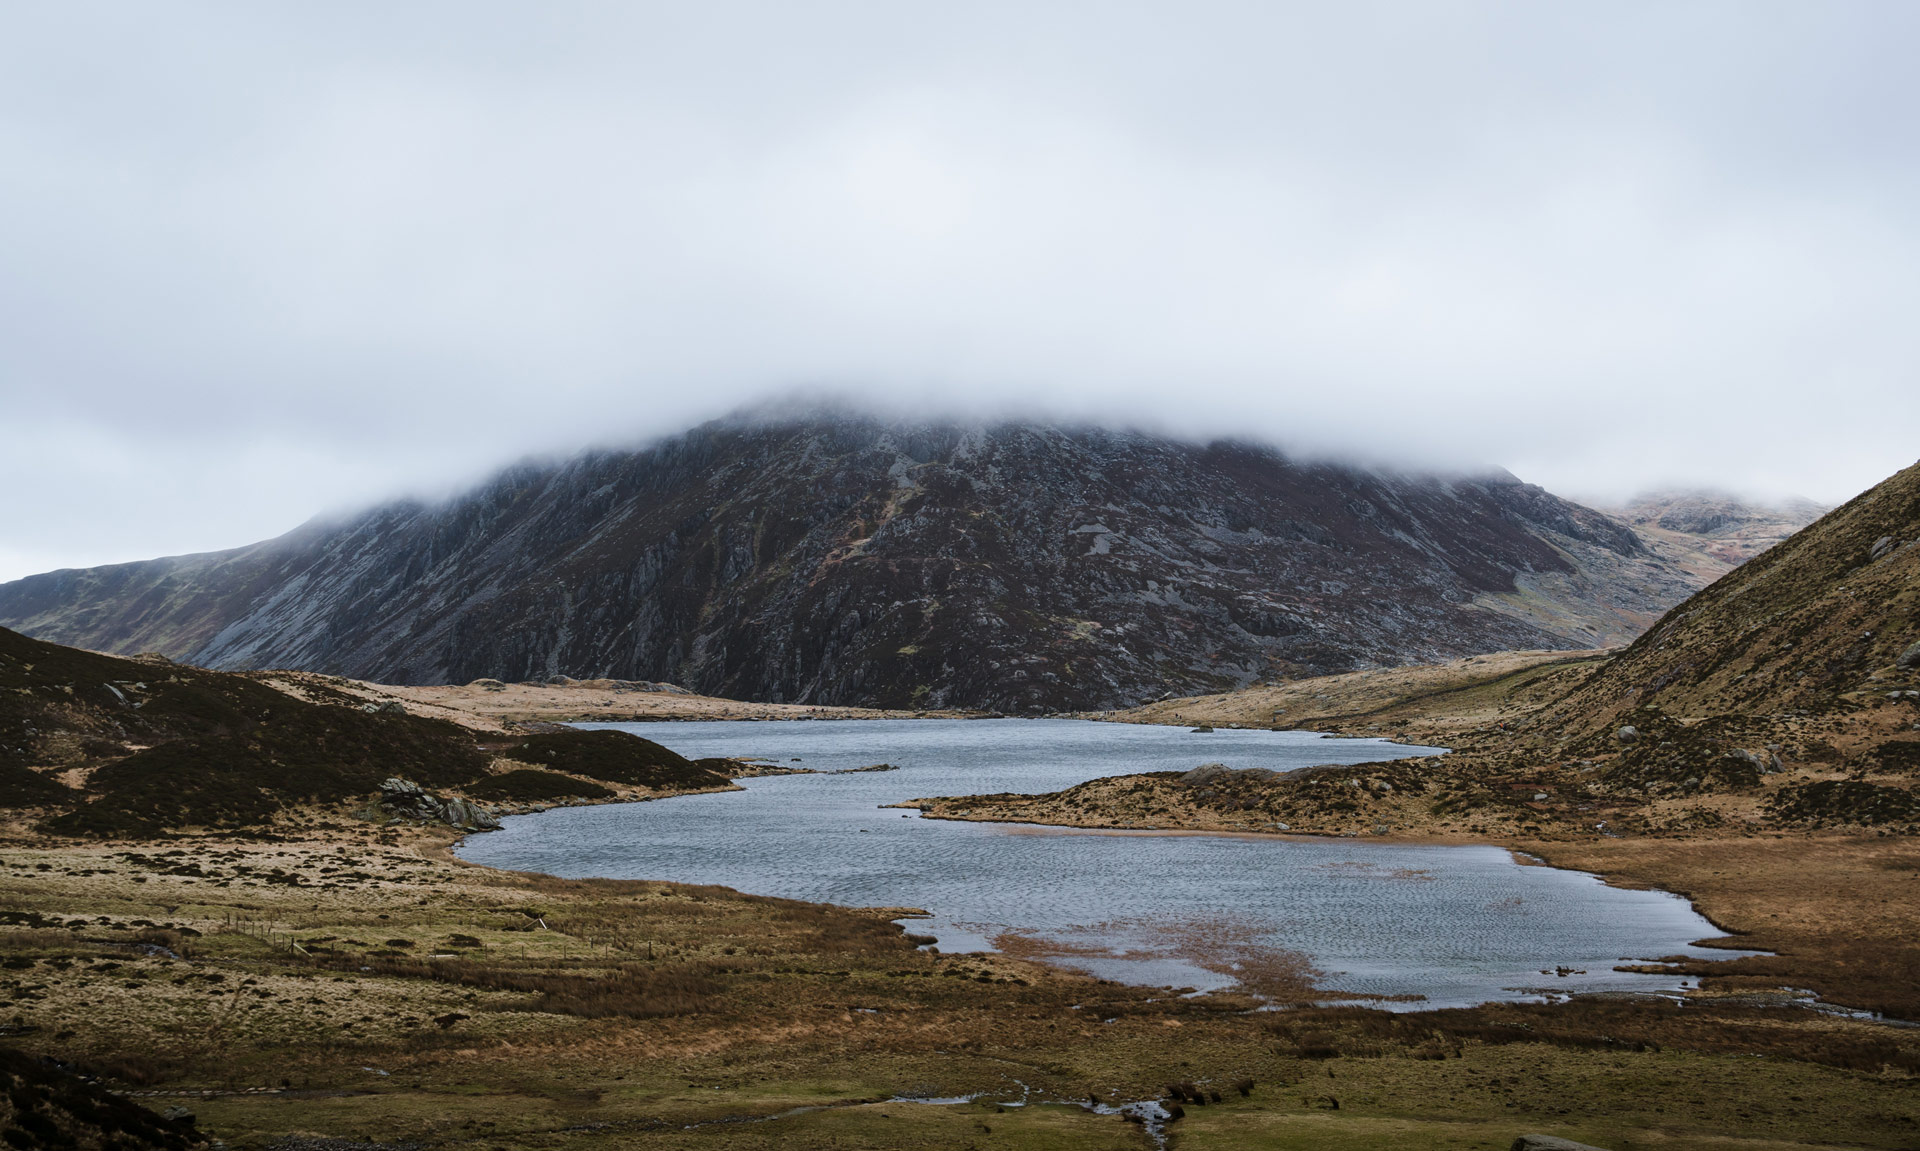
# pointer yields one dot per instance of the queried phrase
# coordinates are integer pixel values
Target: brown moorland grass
(1427, 699)
(497, 707)
(1841, 913)
(386, 992)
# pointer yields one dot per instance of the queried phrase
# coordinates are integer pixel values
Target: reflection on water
(1454, 925)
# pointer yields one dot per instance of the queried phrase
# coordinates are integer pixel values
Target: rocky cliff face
(844, 560)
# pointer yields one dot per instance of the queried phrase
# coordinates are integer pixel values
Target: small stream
(1406, 925)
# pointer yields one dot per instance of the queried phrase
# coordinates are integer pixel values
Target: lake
(1455, 925)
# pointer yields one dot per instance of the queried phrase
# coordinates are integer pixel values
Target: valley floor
(343, 981)
(364, 986)
(489, 705)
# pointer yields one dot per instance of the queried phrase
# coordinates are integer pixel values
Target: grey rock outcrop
(404, 799)
(1909, 658)
(650, 686)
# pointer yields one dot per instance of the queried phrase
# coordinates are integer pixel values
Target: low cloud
(259, 262)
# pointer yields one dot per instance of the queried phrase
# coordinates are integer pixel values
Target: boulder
(1204, 774)
(1212, 773)
(1882, 546)
(1627, 734)
(649, 685)
(1762, 765)
(460, 813)
(1550, 1143)
(1909, 658)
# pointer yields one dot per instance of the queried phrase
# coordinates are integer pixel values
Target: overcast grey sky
(259, 261)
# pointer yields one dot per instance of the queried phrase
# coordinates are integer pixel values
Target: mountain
(1790, 688)
(841, 559)
(1709, 533)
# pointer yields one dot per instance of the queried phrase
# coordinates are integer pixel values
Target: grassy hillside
(1427, 702)
(1817, 624)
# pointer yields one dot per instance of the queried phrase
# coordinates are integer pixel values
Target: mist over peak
(323, 266)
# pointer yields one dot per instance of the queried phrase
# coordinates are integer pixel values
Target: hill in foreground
(1825, 624)
(843, 560)
(96, 745)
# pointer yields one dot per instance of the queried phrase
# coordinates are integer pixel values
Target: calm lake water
(1457, 925)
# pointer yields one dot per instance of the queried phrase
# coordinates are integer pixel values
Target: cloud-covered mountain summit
(841, 559)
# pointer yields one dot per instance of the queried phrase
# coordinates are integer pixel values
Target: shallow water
(1457, 925)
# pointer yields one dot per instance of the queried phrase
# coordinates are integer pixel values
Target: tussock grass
(630, 991)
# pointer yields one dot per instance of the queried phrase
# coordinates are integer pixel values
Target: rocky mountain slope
(839, 559)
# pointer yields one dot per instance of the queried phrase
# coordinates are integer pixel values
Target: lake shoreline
(831, 837)
(771, 1044)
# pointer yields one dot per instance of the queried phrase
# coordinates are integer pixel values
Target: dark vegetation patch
(614, 757)
(48, 1105)
(293, 753)
(1589, 1024)
(1845, 801)
(1338, 790)
(23, 787)
(1898, 755)
(527, 785)
(303, 753)
(222, 751)
(1330, 791)
(631, 990)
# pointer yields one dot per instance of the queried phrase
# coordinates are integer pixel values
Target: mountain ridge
(845, 559)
